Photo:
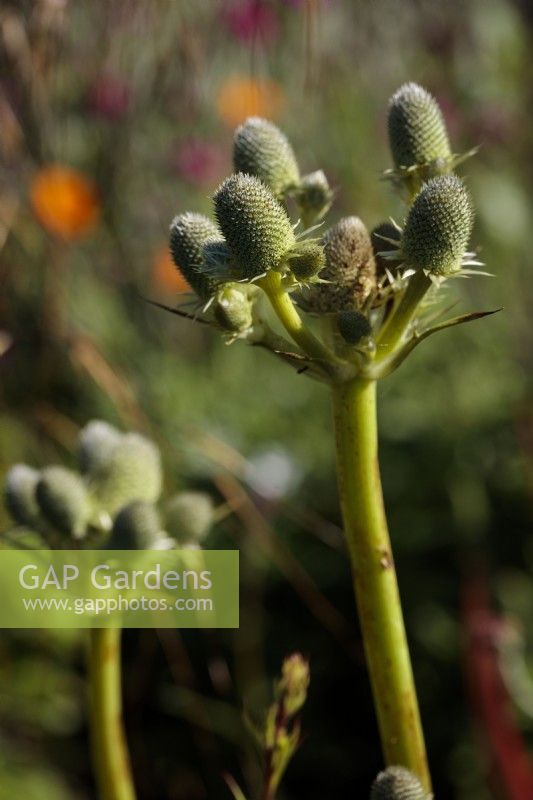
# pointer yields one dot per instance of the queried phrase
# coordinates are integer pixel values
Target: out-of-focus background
(114, 116)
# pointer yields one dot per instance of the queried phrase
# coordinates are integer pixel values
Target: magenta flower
(251, 19)
(199, 162)
(109, 97)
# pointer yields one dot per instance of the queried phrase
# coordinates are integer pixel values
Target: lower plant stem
(397, 324)
(110, 754)
(374, 577)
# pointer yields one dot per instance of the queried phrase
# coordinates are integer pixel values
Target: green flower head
(189, 233)
(261, 149)
(417, 132)
(438, 227)
(397, 783)
(20, 494)
(137, 527)
(189, 517)
(256, 227)
(64, 501)
(353, 326)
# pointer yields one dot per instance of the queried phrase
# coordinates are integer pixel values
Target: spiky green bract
(131, 472)
(189, 517)
(20, 494)
(417, 132)
(95, 444)
(232, 308)
(137, 527)
(261, 149)
(188, 234)
(255, 226)
(438, 227)
(64, 501)
(353, 326)
(397, 783)
(350, 268)
(314, 196)
(383, 237)
(307, 260)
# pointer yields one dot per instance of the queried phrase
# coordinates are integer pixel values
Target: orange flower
(165, 275)
(238, 98)
(64, 201)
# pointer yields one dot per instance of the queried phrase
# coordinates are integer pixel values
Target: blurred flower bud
(188, 234)
(314, 196)
(19, 494)
(397, 783)
(256, 227)
(438, 226)
(96, 442)
(417, 132)
(261, 149)
(383, 236)
(189, 517)
(249, 20)
(350, 268)
(137, 527)
(307, 260)
(64, 501)
(353, 326)
(65, 202)
(293, 684)
(241, 97)
(232, 308)
(109, 98)
(199, 162)
(132, 472)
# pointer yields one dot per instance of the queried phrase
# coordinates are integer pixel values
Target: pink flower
(109, 97)
(251, 19)
(199, 162)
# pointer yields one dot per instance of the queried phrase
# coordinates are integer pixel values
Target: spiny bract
(188, 234)
(261, 149)
(350, 268)
(381, 236)
(19, 494)
(417, 132)
(64, 500)
(397, 783)
(255, 226)
(438, 226)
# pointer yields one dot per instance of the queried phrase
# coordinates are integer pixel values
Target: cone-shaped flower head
(261, 149)
(307, 260)
(397, 783)
(255, 226)
(353, 326)
(64, 501)
(96, 442)
(350, 268)
(137, 527)
(294, 683)
(189, 517)
(417, 132)
(438, 226)
(188, 234)
(383, 236)
(314, 196)
(232, 308)
(20, 494)
(131, 472)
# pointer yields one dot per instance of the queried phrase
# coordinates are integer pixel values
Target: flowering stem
(374, 577)
(396, 326)
(110, 754)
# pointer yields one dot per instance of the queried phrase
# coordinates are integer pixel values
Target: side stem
(374, 577)
(110, 754)
(397, 324)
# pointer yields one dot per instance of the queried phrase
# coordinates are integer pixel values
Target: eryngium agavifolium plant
(349, 307)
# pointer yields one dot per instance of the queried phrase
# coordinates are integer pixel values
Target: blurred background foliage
(114, 116)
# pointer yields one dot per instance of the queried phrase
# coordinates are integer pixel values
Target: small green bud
(350, 268)
(20, 494)
(294, 683)
(64, 500)
(188, 234)
(353, 326)
(307, 260)
(137, 527)
(438, 226)
(379, 236)
(189, 517)
(232, 308)
(314, 196)
(397, 783)
(417, 132)
(256, 227)
(96, 442)
(261, 149)
(132, 472)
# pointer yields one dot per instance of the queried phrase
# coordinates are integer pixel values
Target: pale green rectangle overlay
(119, 588)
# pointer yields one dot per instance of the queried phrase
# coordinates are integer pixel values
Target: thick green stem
(396, 326)
(374, 577)
(110, 753)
